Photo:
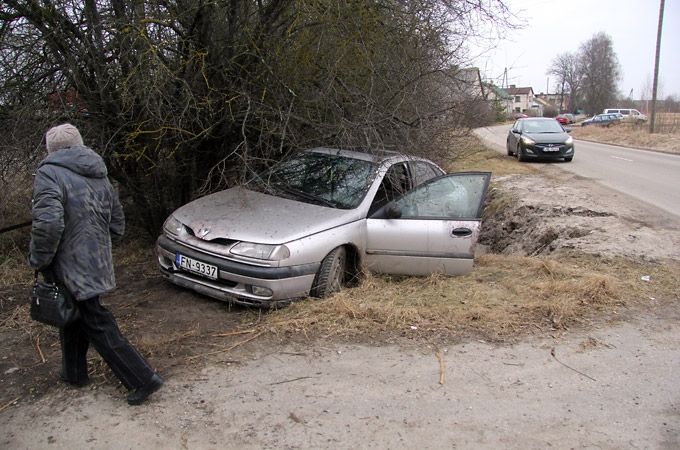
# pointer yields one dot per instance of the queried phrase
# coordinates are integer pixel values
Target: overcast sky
(552, 27)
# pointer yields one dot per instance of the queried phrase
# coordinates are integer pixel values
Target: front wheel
(331, 275)
(520, 156)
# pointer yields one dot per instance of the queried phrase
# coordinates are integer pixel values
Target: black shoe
(74, 383)
(139, 395)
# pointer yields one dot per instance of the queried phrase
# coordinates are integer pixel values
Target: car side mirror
(393, 212)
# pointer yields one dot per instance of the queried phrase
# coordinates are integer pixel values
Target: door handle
(460, 232)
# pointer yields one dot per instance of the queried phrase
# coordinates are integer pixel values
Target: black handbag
(52, 304)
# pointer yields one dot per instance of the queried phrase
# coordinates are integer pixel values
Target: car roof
(377, 156)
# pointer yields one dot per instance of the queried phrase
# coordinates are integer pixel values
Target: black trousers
(98, 327)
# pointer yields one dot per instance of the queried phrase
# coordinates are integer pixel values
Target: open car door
(432, 228)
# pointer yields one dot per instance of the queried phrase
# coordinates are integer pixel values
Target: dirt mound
(526, 217)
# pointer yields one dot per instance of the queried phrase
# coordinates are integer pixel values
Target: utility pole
(656, 68)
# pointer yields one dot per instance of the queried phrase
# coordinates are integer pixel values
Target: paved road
(651, 177)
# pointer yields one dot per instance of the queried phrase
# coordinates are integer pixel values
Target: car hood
(541, 138)
(244, 215)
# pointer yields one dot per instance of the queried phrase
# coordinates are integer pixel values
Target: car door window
(454, 196)
(423, 171)
(394, 184)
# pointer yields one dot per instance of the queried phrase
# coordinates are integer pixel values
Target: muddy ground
(606, 384)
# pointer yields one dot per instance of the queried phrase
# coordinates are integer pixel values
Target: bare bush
(183, 98)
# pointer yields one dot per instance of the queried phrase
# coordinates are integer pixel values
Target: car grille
(220, 241)
(549, 148)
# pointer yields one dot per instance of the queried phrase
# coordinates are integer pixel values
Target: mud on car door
(432, 228)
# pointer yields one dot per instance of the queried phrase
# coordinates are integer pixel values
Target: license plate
(195, 266)
(551, 149)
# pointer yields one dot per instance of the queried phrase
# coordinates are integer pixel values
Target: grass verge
(631, 135)
(503, 296)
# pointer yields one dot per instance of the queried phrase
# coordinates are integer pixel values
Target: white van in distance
(629, 115)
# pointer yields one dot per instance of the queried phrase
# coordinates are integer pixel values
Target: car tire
(331, 275)
(507, 147)
(520, 156)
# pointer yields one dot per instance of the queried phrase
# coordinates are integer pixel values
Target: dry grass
(471, 155)
(667, 123)
(667, 139)
(13, 264)
(504, 295)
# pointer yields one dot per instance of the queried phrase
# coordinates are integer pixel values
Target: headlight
(261, 251)
(173, 226)
(527, 141)
(569, 141)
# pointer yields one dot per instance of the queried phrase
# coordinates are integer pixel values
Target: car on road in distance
(629, 115)
(539, 138)
(308, 225)
(566, 118)
(603, 120)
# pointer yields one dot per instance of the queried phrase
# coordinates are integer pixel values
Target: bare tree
(183, 97)
(568, 69)
(601, 73)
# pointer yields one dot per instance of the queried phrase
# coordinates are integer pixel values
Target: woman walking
(75, 212)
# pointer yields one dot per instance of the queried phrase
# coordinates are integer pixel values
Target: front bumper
(236, 279)
(549, 151)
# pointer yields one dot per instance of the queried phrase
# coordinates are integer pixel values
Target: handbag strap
(52, 283)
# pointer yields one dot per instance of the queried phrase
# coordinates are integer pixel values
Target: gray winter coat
(75, 213)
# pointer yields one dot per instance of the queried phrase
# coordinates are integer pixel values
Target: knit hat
(62, 136)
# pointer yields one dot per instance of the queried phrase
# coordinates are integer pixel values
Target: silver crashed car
(308, 225)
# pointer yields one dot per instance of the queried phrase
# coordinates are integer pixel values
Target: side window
(625, 112)
(457, 196)
(394, 184)
(423, 171)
